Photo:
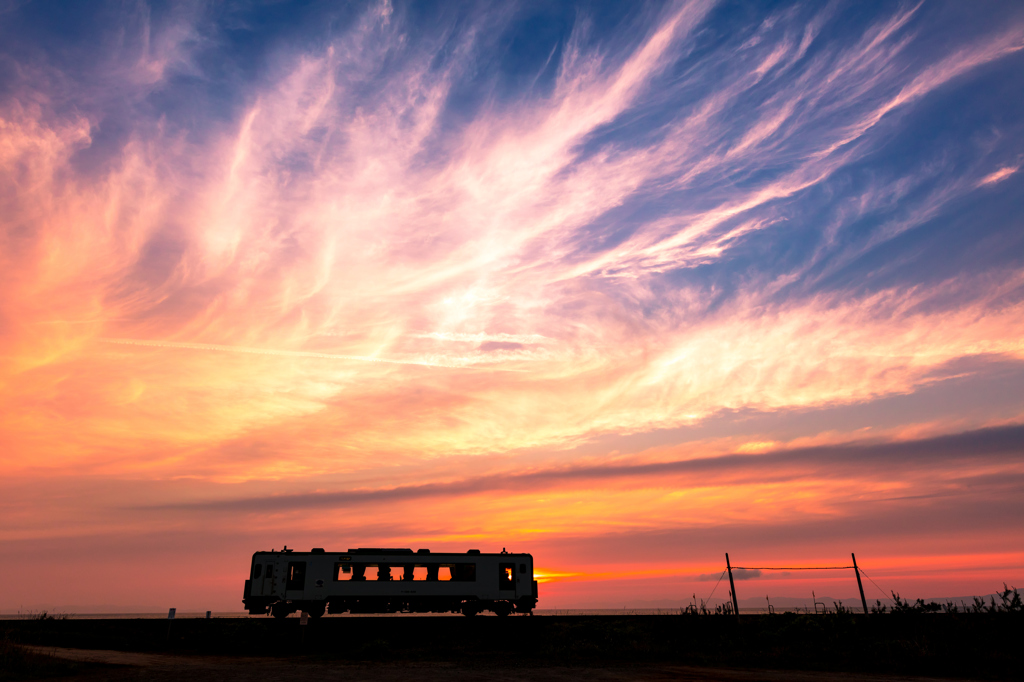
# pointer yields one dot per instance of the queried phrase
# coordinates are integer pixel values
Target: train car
(376, 580)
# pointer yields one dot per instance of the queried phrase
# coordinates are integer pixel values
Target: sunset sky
(626, 286)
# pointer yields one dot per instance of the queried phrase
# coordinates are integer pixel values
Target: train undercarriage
(468, 606)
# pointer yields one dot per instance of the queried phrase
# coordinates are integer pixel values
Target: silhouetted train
(389, 581)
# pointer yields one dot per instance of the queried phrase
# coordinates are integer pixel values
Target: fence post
(860, 586)
(732, 586)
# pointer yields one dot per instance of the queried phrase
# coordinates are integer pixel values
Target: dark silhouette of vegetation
(1009, 598)
(978, 640)
(50, 616)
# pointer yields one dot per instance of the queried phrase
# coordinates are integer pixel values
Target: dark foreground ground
(777, 647)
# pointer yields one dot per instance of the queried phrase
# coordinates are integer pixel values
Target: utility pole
(732, 587)
(860, 586)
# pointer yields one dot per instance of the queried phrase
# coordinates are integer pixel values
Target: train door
(318, 577)
(295, 580)
(524, 578)
(269, 574)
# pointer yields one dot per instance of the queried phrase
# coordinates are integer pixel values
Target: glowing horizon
(626, 287)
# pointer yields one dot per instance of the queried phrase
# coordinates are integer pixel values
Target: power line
(791, 568)
(714, 588)
(874, 583)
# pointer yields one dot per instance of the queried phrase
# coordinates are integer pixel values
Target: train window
(257, 570)
(522, 568)
(419, 572)
(296, 575)
(506, 576)
(446, 572)
(465, 572)
(342, 571)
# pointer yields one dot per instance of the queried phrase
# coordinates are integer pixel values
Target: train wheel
(317, 609)
(469, 610)
(502, 608)
(279, 611)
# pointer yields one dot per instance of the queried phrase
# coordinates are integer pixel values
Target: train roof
(391, 551)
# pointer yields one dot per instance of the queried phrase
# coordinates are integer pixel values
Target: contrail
(269, 351)
(483, 336)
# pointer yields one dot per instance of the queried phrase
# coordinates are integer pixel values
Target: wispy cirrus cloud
(301, 222)
(998, 176)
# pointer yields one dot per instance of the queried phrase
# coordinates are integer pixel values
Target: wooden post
(860, 586)
(732, 586)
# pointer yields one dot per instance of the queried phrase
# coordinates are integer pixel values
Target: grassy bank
(16, 663)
